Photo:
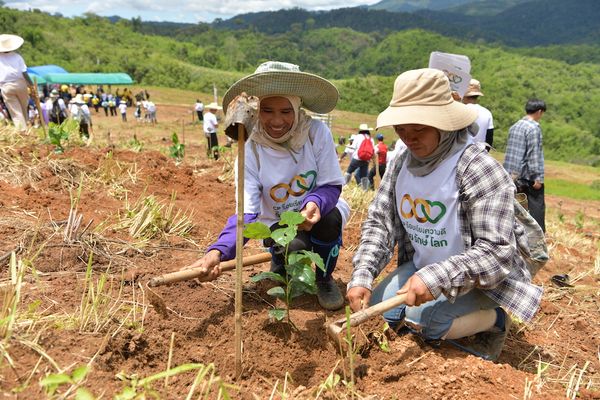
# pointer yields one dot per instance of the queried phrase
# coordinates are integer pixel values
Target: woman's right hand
(209, 264)
(358, 297)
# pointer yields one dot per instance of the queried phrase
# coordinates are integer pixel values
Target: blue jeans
(361, 166)
(432, 319)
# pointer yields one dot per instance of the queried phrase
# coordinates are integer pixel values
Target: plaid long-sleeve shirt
(491, 261)
(524, 156)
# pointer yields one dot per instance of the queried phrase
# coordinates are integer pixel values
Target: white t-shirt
(428, 209)
(358, 139)
(210, 123)
(276, 183)
(484, 121)
(399, 147)
(123, 108)
(12, 67)
(199, 107)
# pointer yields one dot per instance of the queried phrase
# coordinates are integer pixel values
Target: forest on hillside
(362, 64)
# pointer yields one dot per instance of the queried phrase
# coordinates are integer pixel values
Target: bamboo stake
(36, 98)
(239, 250)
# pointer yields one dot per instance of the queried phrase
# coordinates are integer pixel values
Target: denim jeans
(361, 166)
(432, 319)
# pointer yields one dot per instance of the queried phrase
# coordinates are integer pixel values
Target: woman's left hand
(311, 214)
(416, 291)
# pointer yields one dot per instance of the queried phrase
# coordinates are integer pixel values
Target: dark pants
(324, 239)
(372, 174)
(362, 166)
(200, 115)
(213, 144)
(84, 130)
(535, 200)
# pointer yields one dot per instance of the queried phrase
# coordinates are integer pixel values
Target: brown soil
(278, 362)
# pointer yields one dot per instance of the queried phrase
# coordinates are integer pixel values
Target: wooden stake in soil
(239, 247)
(36, 99)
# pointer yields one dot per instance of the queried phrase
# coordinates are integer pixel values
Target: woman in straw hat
(14, 80)
(291, 164)
(449, 207)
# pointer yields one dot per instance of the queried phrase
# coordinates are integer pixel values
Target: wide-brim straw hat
(10, 42)
(274, 78)
(364, 128)
(423, 97)
(474, 89)
(213, 106)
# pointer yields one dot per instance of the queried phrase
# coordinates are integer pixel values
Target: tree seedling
(59, 133)
(299, 274)
(52, 382)
(177, 149)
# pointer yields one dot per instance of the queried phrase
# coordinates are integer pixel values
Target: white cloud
(177, 10)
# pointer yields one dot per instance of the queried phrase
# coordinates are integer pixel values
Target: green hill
(363, 66)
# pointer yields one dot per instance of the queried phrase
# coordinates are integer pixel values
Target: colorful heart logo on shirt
(306, 177)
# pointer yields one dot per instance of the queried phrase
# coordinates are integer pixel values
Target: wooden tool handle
(378, 309)
(184, 275)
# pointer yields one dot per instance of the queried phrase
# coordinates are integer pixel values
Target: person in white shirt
(80, 112)
(485, 121)
(210, 126)
(291, 164)
(14, 80)
(123, 110)
(364, 133)
(399, 147)
(199, 108)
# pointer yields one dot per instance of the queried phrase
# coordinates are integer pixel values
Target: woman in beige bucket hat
(291, 164)
(449, 207)
(14, 79)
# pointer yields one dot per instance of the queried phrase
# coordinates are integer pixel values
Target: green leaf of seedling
(257, 230)
(84, 394)
(79, 373)
(303, 273)
(53, 381)
(127, 393)
(291, 218)
(278, 313)
(175, 138)
(308, 258)
(170, 372)
(284, 236)
(277, 291)
(298, 288)
(268, 275)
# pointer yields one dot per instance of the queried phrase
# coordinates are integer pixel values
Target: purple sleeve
(326, 197)
(226, 241)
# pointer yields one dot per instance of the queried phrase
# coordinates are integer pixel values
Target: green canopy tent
(120, 78)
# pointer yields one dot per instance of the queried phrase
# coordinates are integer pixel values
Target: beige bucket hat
(423, 96)
(474, 88)
(280, 78)
(10, 42)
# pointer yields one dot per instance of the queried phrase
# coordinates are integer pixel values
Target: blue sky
(176, 10)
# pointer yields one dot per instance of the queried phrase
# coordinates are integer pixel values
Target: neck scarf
(450, 144)
(291, 141)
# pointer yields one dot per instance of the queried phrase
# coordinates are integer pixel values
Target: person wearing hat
(449, 209)
(14, 80)
(56, 107)
(356, 163)
(210, 126)
(381, 150)
(80, 112)
(291, 165)
(485, 120)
